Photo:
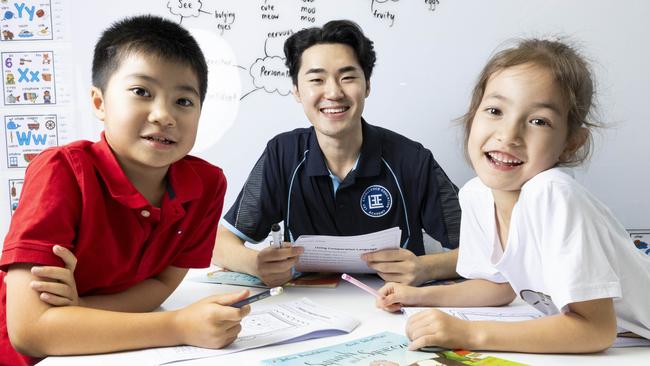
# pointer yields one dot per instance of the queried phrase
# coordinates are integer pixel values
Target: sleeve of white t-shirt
(574, 235)
(476, 233)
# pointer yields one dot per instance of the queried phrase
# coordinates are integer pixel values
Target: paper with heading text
(287, 322)
(343, 253)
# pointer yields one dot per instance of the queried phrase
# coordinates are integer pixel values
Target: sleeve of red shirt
(198, 253)
(47, 213)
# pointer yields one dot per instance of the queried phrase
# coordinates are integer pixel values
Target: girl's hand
(396, 295)
(210, 322)
(56, 285)
(436, 328)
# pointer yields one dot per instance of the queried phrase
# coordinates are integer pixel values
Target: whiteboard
(429, 54)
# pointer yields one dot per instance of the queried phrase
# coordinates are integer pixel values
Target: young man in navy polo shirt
(133, 210)
(342, 176)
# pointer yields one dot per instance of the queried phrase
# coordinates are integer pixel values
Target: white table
(359, 304)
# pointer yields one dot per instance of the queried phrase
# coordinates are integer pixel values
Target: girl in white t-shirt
(528, 228)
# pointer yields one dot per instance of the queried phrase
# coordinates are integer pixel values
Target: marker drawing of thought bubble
(185, 8)
(271, 74)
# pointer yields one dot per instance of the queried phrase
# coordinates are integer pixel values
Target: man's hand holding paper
(397, 265)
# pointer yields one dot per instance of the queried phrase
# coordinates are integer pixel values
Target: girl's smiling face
(520, 127)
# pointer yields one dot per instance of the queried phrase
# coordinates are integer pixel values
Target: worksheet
(343, 253)
(265, 325)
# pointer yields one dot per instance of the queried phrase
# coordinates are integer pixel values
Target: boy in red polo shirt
(110, 228)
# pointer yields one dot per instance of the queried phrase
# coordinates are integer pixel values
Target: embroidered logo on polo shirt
(376, 201)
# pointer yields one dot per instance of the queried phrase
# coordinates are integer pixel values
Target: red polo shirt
(77, 196)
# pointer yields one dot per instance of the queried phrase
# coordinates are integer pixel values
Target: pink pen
(360, 285)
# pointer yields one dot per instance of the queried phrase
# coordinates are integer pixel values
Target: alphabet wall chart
(37, 86)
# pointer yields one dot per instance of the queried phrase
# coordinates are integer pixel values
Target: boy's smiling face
(150, 108)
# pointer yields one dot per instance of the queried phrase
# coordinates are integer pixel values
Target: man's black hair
(147, 35)
(336, 31)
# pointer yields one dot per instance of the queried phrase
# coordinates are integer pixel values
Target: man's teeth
(334, 110)
(159, 139)
(503, 159)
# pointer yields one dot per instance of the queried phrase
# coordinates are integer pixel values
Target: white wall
(428, 58)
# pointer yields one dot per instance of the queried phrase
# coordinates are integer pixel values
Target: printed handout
(287, 322)
(343, 253)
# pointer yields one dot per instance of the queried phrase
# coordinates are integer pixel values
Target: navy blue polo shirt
(396, 182)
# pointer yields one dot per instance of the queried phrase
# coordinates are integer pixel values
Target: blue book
(226, 277)
(382, 348)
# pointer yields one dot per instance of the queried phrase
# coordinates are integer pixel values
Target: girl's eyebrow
(537, 105)
(496, 96)
(548, 105)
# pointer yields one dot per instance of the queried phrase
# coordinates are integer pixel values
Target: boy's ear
(296, 93)
(574, 143)
(367, 88)
(97, 99)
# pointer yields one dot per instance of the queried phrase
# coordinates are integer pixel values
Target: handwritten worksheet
(343, 253)
(288, 322)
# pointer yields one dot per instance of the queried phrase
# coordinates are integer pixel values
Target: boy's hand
(436, 328)
(56, 285)
(397, 265)
(210, 322)
(395, 295)
(274, 264)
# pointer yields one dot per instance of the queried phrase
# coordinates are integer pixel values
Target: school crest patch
(376, 201)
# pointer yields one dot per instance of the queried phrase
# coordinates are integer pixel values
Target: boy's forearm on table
(145, 296)
(71, 330)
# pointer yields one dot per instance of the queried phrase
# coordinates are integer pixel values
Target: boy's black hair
(147, 35)
(336, 31)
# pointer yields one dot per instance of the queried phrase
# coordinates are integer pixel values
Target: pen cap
(276, 235)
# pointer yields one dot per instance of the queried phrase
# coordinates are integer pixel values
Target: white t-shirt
(564, 246)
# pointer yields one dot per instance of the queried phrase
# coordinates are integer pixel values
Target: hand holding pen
(275, 263)
(396, 295)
